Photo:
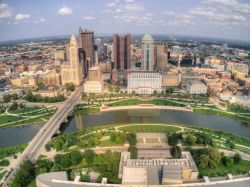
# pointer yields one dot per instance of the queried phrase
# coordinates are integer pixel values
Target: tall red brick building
(86, 40)
(121, 51)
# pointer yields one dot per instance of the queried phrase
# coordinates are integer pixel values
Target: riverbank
(25, 116)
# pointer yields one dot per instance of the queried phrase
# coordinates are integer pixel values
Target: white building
(196, 87)
(93, 87)
(72, 72)
(243, 100)
(144, 82)
(147, 53)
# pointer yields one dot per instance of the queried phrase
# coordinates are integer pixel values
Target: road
(45, 134)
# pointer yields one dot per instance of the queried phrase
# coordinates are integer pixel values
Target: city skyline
(211, 18)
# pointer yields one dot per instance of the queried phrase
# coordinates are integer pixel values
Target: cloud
(88, 17)
(41, 20)
(133, 18)
(5, 11)
(128, 11)
(65, 11)
(129, 1)
(222, 12)
(20, 17)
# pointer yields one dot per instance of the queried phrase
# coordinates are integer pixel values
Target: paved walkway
(145, 106)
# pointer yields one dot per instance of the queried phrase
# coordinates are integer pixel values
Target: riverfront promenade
(144, 106)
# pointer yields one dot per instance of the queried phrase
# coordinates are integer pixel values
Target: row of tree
(8, 97)
(199, 138)
(38, 98)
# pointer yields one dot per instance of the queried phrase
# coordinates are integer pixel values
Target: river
(19, 135)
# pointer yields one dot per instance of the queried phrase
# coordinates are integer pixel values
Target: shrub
(4, 162)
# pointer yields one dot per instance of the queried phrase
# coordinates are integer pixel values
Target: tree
(24, 175)
(133, 152)
(6, 98)
(89, 155)
(70, 87)
(173, 139)
(117, 89)
(14, 106)
(213, 155)
(190, 140)
(227, 161)
(47, 147)
(131, 137)
(175, 152)
(43, 166)
(40, 86)
(230, 144)
(58, 144)
(14, 96)
(202, 161)
(110, 88)
(118, 138)
(237, 158)
(63, 161)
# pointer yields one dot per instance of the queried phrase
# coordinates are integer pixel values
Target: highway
(44, 135)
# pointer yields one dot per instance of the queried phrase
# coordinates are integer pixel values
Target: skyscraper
(161, 57)
(86, 39)
(148, 53)
(82, 60)
(121, 51)
(72, 72)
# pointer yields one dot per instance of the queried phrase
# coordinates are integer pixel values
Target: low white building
(142, 82)
(93, 87)
(196, 87)
(243, 100)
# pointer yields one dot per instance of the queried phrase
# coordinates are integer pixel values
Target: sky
(21, 19)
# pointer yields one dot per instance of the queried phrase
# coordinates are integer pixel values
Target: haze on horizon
(211, 18)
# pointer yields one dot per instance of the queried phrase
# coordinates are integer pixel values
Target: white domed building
(147, 53)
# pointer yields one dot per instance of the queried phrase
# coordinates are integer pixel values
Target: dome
(147, 38)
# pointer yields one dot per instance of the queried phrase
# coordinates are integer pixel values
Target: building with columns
(144, 82)
(72, 72)
(148, 59)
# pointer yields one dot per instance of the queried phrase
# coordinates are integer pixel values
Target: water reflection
(20, 135)
(161, 116)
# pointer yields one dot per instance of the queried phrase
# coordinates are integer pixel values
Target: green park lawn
(2, 173)
(108, 143)
(150, 128)
(137, 102)
(8, 118)
(222, 170)
(80, 110)
(25, 110)
(10, 151)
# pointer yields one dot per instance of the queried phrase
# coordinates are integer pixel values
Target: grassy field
(108, 143)
(8, 118)
(221, 170)
(245, 118)
(137, 102)
(242, 149)
(14, 120)
(25, 110)
(80, 110)
(150, 128)
(2, 173)
(10, 151)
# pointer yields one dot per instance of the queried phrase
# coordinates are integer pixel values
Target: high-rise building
(121, 51)
(161, 57)
(148, 59)
(86, 39)
(72, 72)
(99, 44)
(82, 60)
